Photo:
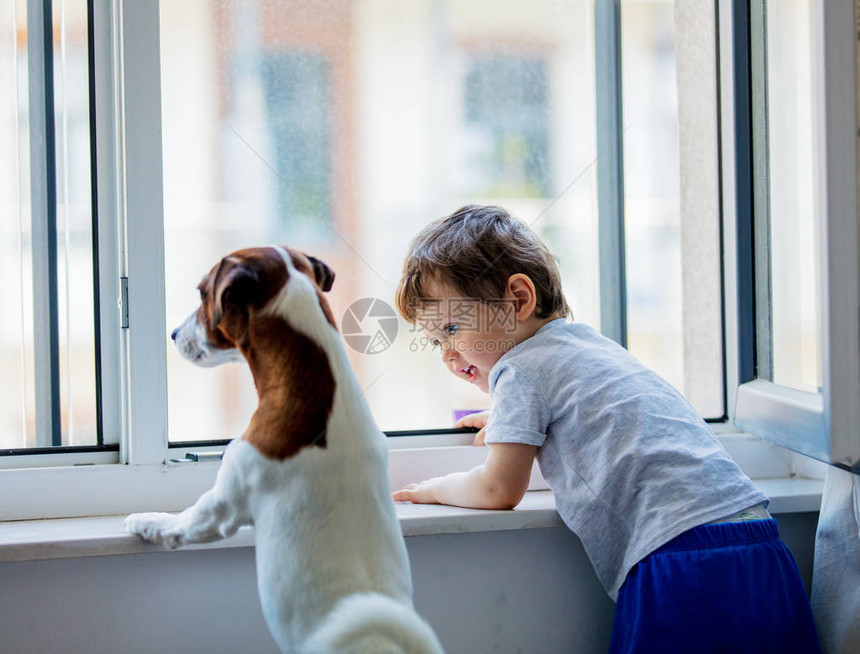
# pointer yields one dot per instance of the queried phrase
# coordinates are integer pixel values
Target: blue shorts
(727, 587)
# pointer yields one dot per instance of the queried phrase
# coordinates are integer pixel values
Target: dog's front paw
(155, 528)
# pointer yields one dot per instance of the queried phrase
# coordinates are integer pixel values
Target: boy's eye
(435, 342)
(450, 329)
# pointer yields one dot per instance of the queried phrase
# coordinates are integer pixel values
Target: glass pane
(342, 128)
(17, 389)
(23, 351)
(669, 255)
(76, 313)
(794, 215)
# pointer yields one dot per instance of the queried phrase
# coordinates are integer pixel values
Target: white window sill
(99, 490)
(35, 540)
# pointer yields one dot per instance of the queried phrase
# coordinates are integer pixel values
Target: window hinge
(123, 302)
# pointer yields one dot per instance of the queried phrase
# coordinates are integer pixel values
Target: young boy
(677, 534)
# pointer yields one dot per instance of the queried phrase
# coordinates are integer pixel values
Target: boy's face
(470, 335)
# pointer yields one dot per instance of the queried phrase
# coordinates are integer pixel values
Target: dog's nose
(174, 333)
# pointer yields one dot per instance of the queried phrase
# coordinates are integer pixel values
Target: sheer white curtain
(836, 576)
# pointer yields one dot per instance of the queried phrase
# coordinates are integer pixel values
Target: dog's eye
(202, 293)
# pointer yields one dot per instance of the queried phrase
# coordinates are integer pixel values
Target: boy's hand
(498, 484)
(477, 421)
(421, 493)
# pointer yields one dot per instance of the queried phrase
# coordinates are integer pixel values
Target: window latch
(199, 456)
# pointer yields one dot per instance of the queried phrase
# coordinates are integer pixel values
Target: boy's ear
(522, 289)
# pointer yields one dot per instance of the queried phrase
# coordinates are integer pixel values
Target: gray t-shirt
(631, 463)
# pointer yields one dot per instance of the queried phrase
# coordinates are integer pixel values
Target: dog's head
(245, 283)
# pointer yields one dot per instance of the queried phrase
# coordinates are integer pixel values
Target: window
(797, 245)
(791, 215)
(348, 127)
(48, 334)
(673, 313)
(342, 128)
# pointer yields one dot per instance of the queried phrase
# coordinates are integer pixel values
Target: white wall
(523, 591)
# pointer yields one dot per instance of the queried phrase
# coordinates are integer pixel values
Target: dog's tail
(372, 623)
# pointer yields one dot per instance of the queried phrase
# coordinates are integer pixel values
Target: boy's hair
(474, 251)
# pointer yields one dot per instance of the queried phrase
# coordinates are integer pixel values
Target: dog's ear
(323, 275)
(234, 288)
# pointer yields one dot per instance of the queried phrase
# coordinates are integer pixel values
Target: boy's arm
(498, 484)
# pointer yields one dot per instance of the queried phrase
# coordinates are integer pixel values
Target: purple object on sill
(462, 413)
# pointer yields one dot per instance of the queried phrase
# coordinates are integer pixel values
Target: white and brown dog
(310, 472)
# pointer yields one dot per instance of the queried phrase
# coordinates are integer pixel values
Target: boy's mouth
(470, 371)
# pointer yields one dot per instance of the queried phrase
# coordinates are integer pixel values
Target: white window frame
(128, 107)
(141, 476)
(131, 238)
(822, 425)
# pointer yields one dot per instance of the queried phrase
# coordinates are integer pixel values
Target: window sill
(99, 490)
(35, 540)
